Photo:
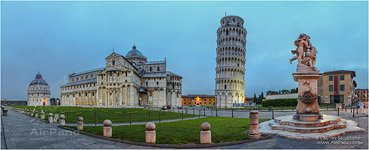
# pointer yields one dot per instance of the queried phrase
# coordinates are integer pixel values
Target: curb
(177, 146)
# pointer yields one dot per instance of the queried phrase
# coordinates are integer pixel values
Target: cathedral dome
(134, 53)
(38, 80)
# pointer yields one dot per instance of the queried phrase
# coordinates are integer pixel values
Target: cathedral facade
(125, 81)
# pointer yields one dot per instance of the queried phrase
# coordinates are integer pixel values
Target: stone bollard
(42, 115)
(62, 120)
(107, 131)
(51, 120)
(56, 118)
(36, 114)
(205, 133)
(254, 125)
(150, 133)
(80, 123)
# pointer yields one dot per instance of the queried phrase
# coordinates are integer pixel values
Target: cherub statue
(305, 52)
(302, 44)
(311, 56)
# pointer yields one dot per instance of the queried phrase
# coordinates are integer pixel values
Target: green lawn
(114, 114)
(183, 132)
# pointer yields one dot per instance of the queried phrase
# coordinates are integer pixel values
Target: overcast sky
(58, 38)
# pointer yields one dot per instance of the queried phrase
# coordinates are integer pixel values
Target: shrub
(280, 102)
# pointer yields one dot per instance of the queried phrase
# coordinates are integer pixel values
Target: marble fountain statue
(307, 123)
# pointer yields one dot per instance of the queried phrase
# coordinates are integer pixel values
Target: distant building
(282, 96)
(249, 101)
(38, 92)
(337, 87)
(362, 95)
(198, 100)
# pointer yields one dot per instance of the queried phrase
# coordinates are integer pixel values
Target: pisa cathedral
(125, 81)
(230, 62)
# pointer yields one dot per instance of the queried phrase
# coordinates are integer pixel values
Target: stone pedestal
(328, 126)
(36, 114)
(254, 125)
(107, 131)
(56, 118)
(80, 123)
(150, 136)
(307, 108)
(42, 115)
(205, 133)
(51, 120)
(62, 120)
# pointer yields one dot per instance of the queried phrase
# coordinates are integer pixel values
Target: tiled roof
(156, 74)
(197, 95)
(94, 80)
(86, 72)
(341, 72)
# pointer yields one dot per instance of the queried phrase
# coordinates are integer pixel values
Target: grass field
(91, 115)
(183, 132)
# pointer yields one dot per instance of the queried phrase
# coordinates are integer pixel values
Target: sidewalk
(23, 132)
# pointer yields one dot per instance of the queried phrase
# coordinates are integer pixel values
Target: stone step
(309, 117)
(319, 123)
(315, 129)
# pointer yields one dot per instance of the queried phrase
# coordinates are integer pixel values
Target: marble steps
(315, 129)
(320, 123)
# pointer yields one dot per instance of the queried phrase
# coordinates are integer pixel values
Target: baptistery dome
(38, 92)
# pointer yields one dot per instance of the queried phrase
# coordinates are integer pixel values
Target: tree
(285, 91)
(255, 100)
(261, 97)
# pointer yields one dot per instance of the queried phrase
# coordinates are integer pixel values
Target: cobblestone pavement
(23, 132)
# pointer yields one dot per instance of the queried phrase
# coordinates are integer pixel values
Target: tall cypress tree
(255, 99)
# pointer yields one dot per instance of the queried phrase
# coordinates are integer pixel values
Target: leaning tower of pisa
(231, 58)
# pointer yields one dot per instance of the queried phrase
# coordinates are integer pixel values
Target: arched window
(225, 87)
(158, 68)
(150, 68)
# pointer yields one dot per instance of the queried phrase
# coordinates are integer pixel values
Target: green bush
(280, 102)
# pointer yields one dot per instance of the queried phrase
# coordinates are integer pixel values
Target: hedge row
(280, 102)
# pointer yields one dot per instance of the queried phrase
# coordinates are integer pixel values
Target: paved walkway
(23, 132)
